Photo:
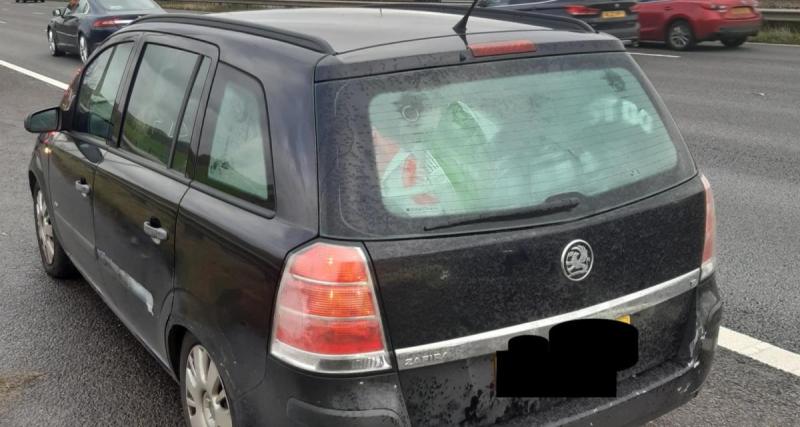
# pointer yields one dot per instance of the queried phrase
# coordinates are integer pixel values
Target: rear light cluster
(109, 22)
(709, 245)
(326, 312)
(578, 10)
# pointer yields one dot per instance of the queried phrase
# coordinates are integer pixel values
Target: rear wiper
(548, 207)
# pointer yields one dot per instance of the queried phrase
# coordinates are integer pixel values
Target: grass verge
(778, 33)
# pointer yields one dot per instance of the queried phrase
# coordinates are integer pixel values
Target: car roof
(358, 41)
(348, 29)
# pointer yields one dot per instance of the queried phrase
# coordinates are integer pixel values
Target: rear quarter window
(400, 152)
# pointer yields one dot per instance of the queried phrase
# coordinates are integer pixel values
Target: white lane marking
(734, 341)
(3, 22)
(774, 44)
(34, 74)
(659, 55)
(38, 13)
(761, 351)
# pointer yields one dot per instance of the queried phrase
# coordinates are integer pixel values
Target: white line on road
(774, 44)
(654, 54)
(33, 74)
(761, 351)
(734, 341)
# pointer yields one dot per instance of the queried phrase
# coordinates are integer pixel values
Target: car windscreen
(121, 5)
(401, 153)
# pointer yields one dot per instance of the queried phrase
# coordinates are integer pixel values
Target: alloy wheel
(206, 399)
(51, 42)
(44, 228)
(84, 50)
(679, 36)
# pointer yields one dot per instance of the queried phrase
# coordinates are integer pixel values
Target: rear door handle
(82, 187)
(154, 231)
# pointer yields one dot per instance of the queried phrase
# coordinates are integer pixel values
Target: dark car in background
(332, 217)
(83, 24)
(681, 24)
(612, 17)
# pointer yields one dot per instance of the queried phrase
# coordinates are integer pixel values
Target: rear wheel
(734, 42)
(205, 400)
(83, 48)
(680, 36)
(51, 43)
(54, 260)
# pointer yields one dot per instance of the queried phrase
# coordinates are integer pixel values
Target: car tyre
(734, 42)
(55, 261)
(83, 48)
(51, 43)
(680, 36)
(203, 394)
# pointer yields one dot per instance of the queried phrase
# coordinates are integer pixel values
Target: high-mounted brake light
(326, 313)
(578, 10)
(709, 246)
(501, 48)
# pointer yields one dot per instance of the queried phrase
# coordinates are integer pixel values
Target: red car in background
(683, 23)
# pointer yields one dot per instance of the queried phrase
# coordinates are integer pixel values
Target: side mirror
(48, 120)
(58, 12)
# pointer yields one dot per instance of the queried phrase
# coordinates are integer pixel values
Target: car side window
(152, 119)
(235, 152)
(98, 91)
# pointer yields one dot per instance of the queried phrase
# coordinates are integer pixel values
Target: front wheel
(52, 44)
(680, 36)
(205, 400)
(734, 42)
(83, 48)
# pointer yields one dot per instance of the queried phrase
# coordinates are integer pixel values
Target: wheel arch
(32, 180)
(175, 336)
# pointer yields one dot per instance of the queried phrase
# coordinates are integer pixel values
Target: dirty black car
(345, 221)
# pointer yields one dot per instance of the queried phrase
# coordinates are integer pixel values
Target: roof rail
(302, 40)
(520, 17)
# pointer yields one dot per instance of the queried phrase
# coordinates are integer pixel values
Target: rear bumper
(717, 28)
(626, 33)
(290, 397)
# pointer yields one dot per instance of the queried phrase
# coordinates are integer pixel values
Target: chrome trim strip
(496, 340)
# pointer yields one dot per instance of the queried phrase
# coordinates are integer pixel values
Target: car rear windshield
(401, 153)
(117, 5)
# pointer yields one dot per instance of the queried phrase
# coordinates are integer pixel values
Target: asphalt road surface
(66, 360)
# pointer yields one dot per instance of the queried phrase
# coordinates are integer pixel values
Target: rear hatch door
(467, 183)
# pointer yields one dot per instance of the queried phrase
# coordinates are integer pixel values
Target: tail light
(107, 22)
(709, 249)
(326, 312)
(578, 10)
